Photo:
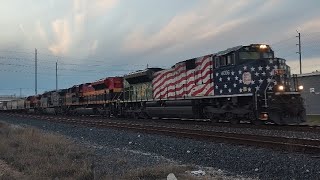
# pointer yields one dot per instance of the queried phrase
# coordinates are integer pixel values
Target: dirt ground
(8, 172)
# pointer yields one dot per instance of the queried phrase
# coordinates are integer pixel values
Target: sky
(94, 39)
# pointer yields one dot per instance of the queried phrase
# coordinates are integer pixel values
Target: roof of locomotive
(141, 73)
(236, 48)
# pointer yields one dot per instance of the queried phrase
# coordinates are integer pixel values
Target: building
(311, 92)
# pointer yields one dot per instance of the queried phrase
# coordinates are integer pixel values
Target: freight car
(240, 83)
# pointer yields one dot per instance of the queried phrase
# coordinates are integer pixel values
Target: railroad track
(294, 128)
(277, 143)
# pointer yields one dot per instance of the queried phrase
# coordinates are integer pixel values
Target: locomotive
(243, 83)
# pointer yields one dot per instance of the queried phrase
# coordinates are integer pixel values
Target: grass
(41, 155)
(313, 119)
(34, 154)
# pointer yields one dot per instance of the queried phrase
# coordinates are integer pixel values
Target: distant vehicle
(240, 83)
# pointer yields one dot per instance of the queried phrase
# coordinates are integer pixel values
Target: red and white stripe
(179, 82)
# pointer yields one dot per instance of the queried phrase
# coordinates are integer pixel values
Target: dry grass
(313, 119)
(42, 155)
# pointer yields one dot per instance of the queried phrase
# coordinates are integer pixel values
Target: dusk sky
(100, 38)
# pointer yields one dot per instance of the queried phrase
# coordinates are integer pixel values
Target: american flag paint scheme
(250, 77)
(182, 81)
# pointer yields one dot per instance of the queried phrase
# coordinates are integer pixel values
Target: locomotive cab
(258, 82)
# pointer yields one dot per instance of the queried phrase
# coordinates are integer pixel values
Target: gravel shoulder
(146, 150)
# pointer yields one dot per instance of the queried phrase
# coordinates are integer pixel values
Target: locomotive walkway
(277, 143)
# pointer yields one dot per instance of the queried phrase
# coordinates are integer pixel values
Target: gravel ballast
(147, 149)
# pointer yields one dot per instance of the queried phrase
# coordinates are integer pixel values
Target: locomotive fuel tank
(170, 112)
(173, 109)
(84, 111)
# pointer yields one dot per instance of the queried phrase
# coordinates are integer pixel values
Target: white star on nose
(269, 80)
(270, 61)
(275, 82)
(267, 67)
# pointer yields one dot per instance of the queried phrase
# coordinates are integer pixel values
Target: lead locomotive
(240, 83)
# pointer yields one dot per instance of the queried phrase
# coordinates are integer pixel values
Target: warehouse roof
(316, 73)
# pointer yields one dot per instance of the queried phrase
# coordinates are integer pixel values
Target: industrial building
(311, 92)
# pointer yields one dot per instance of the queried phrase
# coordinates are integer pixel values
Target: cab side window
(217, 61)
(223, 61)
(231, 59)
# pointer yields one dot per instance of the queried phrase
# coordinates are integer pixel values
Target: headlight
(281, 88)
(263, 46)
(300, 87)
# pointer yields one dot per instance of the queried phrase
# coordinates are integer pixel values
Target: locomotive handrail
(265, 92)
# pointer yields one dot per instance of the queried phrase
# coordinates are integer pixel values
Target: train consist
(243, 83)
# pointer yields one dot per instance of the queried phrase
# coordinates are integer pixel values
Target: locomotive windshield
(249, 55)
(254, 52)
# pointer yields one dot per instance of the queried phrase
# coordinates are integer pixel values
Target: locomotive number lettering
(225, 73)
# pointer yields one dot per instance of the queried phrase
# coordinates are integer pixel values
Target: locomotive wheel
(257, 122)
(135, 115)
(232, 118)
(212, 117)
(215, 118)
(253, 119)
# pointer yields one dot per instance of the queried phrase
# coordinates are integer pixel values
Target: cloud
(204, 22)
(22, 29)
(41, 32)
(100, 6)
(308, 65)
(94, 46)
(68, 33)
(311, 25)
(61, 30)
(92, 7)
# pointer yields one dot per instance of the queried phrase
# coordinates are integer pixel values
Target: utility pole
(35, 73)
(299, 44)
(57, 76)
